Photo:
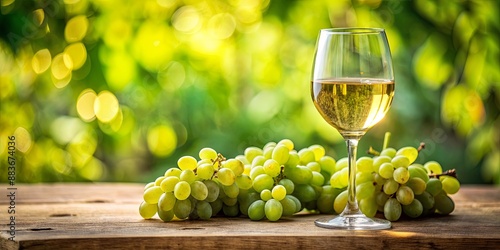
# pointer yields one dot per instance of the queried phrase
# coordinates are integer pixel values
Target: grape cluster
(278, 180)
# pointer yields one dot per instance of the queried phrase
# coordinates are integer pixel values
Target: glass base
(353, 222)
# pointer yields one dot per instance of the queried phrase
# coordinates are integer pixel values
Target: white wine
(352, 105)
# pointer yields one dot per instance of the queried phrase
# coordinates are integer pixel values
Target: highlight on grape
(278, 180)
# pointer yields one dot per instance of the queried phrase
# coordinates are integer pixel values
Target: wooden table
(105, 216)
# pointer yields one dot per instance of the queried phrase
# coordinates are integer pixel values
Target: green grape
(256, 171)
(368, 206)
(279, 192)
(147, 210)
(287, 143)
(216, 206)
(314, 166)
(340, 202)
(327, 164)
(273, 210)
(401, 175)
(173, 172)
(270, 144)
(168, 184)
(426, 199)
(166, 215)
(212, 190)
(152, 194)
(256, 210)
(228, 201)
(341, 164)
(378, 180)
(400, 161)
(381, 198)
(231, 211)
(288, 206)
(410, 152)
(444, 204)
(304, 192)
(226, 176)
(235, 165)
(243, 160)
(199, 190)
(272, 168)
(288, 184)
(205, 171)
(268, 152)
(340, 179)
(379, 160)
(416, 171)
(364, 164)
(258, 161)
(405, 195)
(386, 170)
(252, 152)
(204, 210)
(166, 201)
(325, 203)
(151, 184)
(362, 177)
(392, 209)
(280, 154)
(207, 154)
(433, 167)
(299, 174)
(317, 179)
(414, 209)
(187, 162)
(262, 182)
(390, 152)
(298, 204)
(182, 190)
(231, 191)
(318, 151)
(245, 200)
(306, 155)
(244, 181)
(247, 169)
(417, 185)
(159, 180)
(182, 208)
(188, 176)
(434, 186)
(365, 190)
(266, 195)
(391, 186)
(450, 184)
(293, 159)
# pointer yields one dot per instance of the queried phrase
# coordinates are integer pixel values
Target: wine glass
(352, 87)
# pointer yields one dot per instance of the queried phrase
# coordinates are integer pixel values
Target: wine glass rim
(353, 30)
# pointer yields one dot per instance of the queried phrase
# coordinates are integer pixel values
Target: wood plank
(104, 216)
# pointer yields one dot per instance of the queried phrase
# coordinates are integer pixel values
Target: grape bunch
(278, 180)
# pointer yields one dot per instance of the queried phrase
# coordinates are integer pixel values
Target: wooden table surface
(105, 216)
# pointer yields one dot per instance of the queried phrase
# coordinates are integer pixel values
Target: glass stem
(352, 204)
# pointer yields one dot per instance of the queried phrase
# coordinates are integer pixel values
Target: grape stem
(372, 151)
(451, 172)
(387, 138)
(220, 158)
(421, 147)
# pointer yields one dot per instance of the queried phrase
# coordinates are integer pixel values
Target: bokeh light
(106, 106)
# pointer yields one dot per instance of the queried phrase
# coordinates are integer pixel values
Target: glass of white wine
(352, 87)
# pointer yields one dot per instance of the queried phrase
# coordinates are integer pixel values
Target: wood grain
(105, 216)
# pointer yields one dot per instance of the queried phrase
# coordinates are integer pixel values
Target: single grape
(433, 167)
(152, 194)
(381, 198)
(426, 199)
(362, 177)
(166, 215)
(147, 210)
(187, 162)
(216, 206)
(386, 170)
(268, 152)
(391, 186)
(182, 208)
(199, 190)
(244, 181)
(314, 166)
(258, 161)
(246, 199)
(400, 161)
(416, 171)
(228, 201)
(299, 174)
(340, 202)
(205, 171)
(262, 182)
(306, 155)
(444, 204)
(341, 164)
(256, 171)
(235, 165)
(325, 203)
(270, 144)
(212, 190)
(417, 185)
(173, 172)
(410, 153)
(252, 152)
(280, 154)
(405, 195)
(392, 209)
(231, 191)
(340, 179)
(273, 210)
(151, 184)
(401, 175)
(379, 160)
(450, 184)
(368, 206)
(293, 159)
(390, 152)
(159, 180)
(365, 190)
(288, 205)
(166, 201)
(241, 158)
(188, 176)
(204, 210)
(207, 154)
(279, 192)
(226, 176)
(327, 164)
(414, 209)
(288, 184)
(318, 151)
(182, 190)
(272, 168)
(298, 204)
(434, 186)
(286, 142)
(231, 211)
(168, 184)
(256, 210)
(364, 164)
(304, 192)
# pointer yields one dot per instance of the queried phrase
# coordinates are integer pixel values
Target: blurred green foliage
(108, 90)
